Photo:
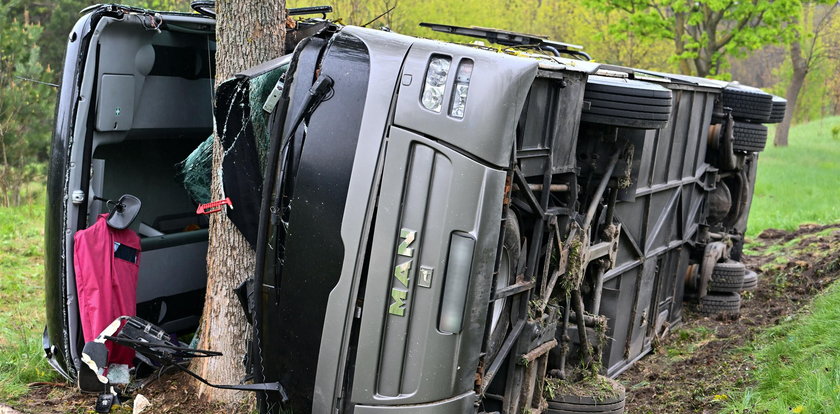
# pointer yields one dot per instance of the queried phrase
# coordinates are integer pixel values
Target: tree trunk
(248, 32)
(703, 62)
(679, 26)
(800, 71)
(702, 68)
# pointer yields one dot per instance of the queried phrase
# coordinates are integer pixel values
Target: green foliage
(25, 107)
(704, 32)
(21, 298)
(814, 100)
(561, 21)
(57, 21)
(169, 5)
(797, 364)
(797, 184)
(817, 34)
(405, 17)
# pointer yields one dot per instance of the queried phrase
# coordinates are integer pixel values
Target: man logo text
(399, 291)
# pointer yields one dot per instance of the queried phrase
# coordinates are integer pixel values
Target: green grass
(798, 364)
(687, 341)
(799, 183)
(22, 298)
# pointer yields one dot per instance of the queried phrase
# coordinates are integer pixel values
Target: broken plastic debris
(118, 374)
(141, 403)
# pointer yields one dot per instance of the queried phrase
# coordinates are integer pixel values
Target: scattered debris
(676, 378)
(8, 410)
(118, 374)
(140, 404)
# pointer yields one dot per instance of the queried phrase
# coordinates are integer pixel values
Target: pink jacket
(106, 262)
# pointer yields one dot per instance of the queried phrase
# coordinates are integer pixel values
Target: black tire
(749, 137)
(720, 303)
(750, 281)
(626, 103)
(729, 268)
(777, 114)
(727, 277)
(726, 286)
(748, 103)
(589, 400)
(511, 251)
(568, 404)
(562, 411)
(559, 407)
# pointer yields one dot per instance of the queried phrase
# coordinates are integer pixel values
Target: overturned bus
(439, 228)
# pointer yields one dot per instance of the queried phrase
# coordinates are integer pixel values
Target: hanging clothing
(106, 261)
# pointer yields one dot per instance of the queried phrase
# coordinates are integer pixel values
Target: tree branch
(812, 48)
(752, 21)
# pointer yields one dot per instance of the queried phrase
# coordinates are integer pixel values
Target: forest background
(787, 47)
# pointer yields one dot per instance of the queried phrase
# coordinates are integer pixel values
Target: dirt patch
(53, 398)
(692, 370)
(175, 394)
(786, 236)
(172, 393)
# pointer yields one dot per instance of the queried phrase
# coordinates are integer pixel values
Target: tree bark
(679, 44)
(800, 71)
(248, 32)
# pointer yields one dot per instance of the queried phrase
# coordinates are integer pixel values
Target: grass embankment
(799, 183)
(22, 299)
(798, 370)
(710, 363)
(798, 362)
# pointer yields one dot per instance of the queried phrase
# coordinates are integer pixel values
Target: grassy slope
(21, 299)
(798, 367)
(798, 362)
(799, 183)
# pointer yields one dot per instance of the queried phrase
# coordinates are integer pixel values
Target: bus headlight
(436, 75)
(462, 87)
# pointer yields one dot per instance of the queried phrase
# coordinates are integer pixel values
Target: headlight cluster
(434, 88)
(436, 75)
(462, 87)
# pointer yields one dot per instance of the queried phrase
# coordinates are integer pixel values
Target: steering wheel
(204, 7)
